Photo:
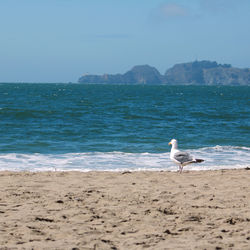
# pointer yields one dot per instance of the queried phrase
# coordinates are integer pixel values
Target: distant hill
(195, 73)
(142, 74)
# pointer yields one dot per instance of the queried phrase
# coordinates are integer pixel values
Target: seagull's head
(173, 142)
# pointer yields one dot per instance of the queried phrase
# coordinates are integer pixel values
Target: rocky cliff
(197, 73)
(206, 73)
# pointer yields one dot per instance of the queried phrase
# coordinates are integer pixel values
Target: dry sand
(107, 210)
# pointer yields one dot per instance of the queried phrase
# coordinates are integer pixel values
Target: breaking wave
(218, 157)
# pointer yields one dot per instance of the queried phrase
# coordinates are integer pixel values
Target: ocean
(122, 127)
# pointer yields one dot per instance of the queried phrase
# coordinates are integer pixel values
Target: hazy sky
(59, 40)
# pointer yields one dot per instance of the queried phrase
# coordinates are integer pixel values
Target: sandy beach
(125, 210)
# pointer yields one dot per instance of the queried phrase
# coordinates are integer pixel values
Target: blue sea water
(121, 127)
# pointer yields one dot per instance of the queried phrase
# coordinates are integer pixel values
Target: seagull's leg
(181, 167)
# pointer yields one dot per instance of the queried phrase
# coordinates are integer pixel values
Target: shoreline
(121, 171)
(205, 209)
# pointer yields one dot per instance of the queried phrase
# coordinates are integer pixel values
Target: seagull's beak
(170, 143)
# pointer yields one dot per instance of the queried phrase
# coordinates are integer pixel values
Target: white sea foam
(218, 157)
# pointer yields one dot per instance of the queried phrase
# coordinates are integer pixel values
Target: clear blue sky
(59, 40)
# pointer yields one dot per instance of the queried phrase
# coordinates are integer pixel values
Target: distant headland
(192, 73)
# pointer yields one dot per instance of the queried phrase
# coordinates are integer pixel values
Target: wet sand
(124, 210)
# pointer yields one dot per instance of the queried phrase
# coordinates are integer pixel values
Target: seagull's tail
(198, 160)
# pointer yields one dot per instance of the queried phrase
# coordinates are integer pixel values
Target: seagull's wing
(183, 157)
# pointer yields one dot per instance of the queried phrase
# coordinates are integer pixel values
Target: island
(191, 73)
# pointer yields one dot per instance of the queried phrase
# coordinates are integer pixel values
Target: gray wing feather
(183, 157)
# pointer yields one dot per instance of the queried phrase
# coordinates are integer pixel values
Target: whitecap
(218, 157)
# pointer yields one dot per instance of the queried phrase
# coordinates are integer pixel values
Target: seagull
(181, 158)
